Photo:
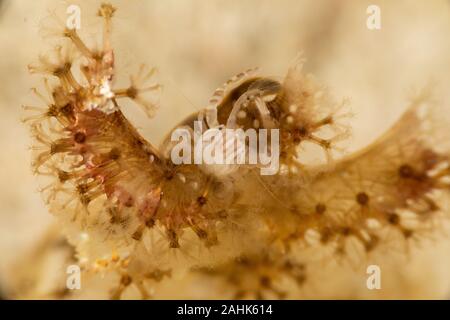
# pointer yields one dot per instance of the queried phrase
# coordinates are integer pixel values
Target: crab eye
(269, 97)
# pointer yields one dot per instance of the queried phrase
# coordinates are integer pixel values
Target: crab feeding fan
(128, 208)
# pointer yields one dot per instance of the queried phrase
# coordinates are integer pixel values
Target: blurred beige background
(197, 45)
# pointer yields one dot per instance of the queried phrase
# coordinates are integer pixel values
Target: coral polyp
(140, 219)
